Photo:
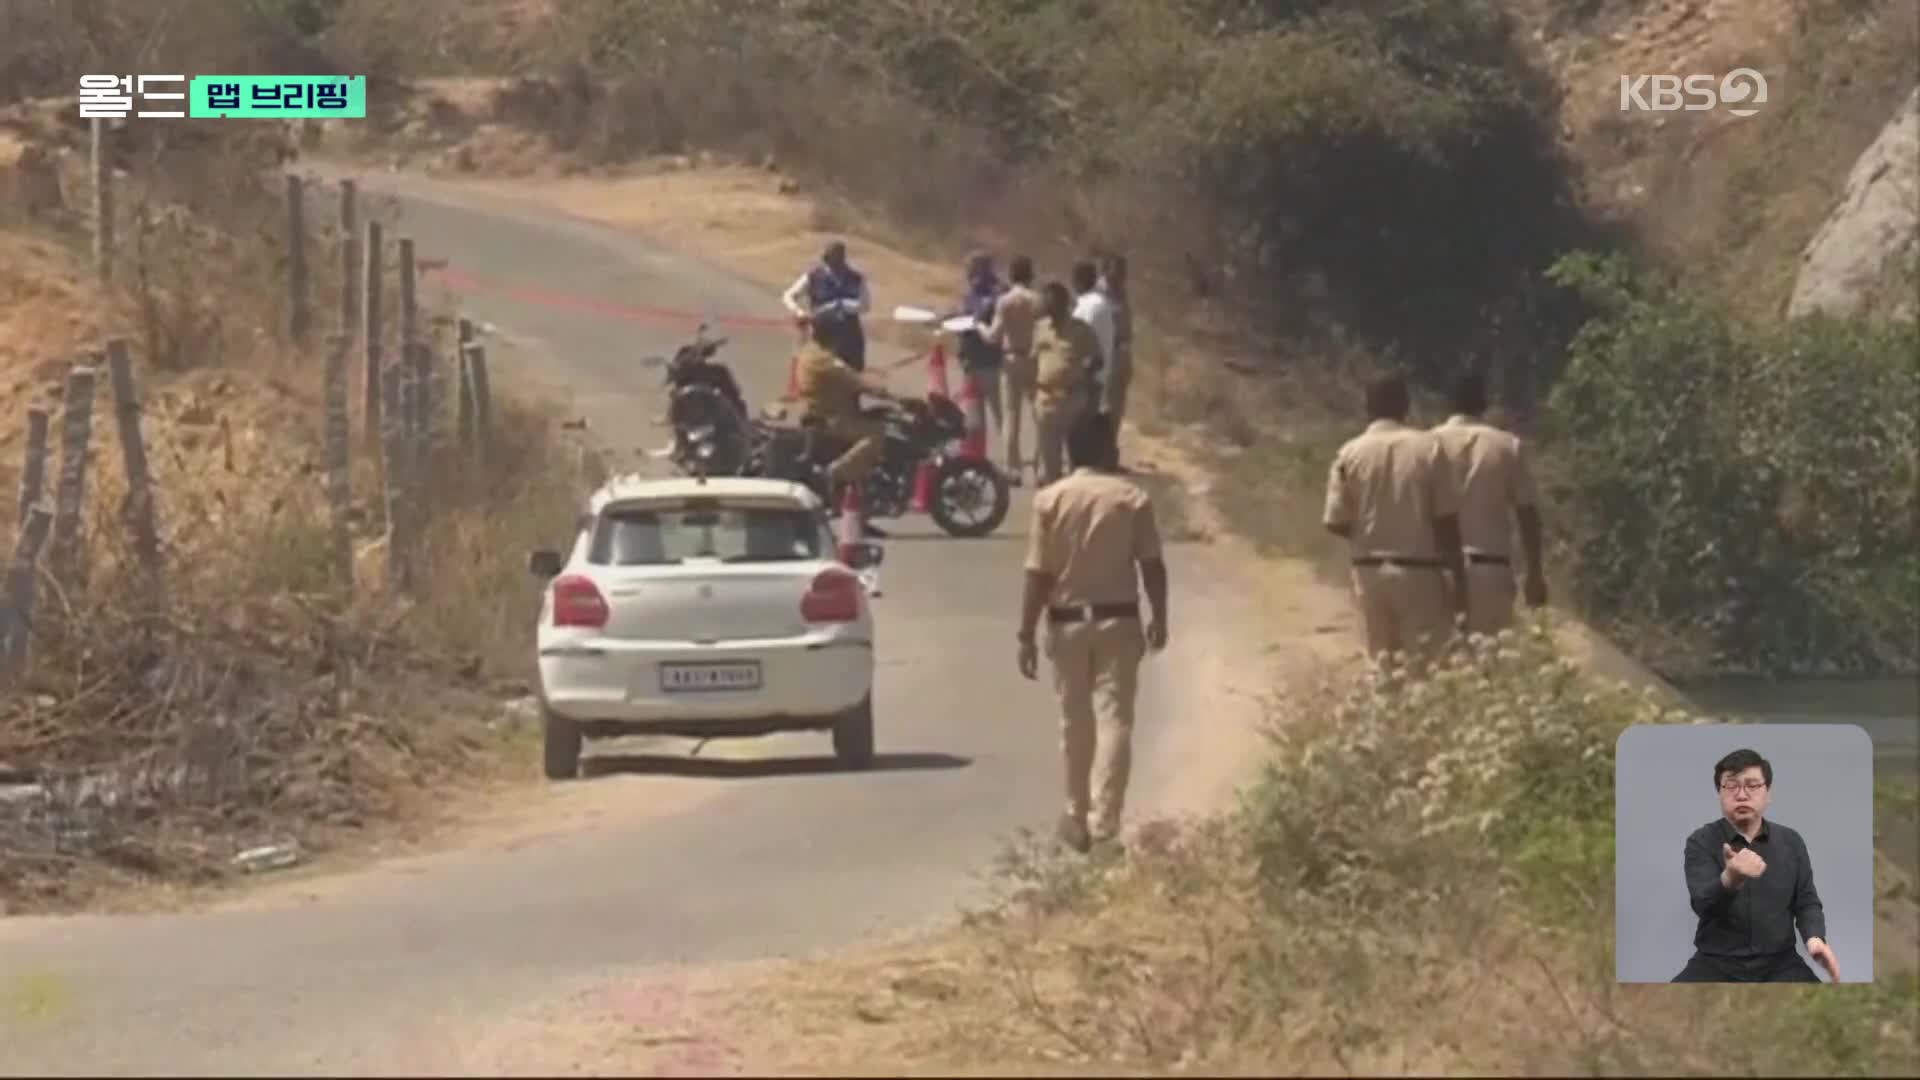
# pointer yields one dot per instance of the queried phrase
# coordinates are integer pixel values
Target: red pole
(974, 444)
(937, 369)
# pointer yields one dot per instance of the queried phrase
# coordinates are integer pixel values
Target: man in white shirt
(834, 281)
(1092, 307)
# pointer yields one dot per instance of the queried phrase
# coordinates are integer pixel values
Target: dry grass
(165, 740)
(1416, 887)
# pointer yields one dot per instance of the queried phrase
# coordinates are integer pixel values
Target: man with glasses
(1751, 883)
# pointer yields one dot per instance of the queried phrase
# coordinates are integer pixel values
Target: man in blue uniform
(834, 295)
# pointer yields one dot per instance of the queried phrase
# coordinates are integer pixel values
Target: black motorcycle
(969, 496)
(714, 434)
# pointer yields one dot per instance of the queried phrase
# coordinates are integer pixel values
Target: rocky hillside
(1865, 256)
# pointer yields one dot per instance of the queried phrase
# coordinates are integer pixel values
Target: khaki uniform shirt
(828, 389)
(1014, 316)
(1061, 353)
(1090, 530)
(1388, 484)
(1493, 473)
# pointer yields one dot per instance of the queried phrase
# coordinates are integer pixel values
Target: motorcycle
(713, 434)
(969, 496)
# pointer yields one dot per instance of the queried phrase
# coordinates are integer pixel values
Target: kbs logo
(1740, 90)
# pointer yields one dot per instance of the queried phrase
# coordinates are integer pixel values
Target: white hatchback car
(705, 608)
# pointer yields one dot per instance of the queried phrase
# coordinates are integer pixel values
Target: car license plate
(710, 676)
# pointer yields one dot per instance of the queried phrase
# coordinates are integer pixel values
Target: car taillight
(577, 602)
(834, 596)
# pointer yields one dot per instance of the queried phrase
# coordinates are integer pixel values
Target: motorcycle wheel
(970, 497)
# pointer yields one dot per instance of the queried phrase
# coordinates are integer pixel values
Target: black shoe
(873, 530)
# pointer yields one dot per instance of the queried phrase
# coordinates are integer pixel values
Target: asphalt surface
(778, 856)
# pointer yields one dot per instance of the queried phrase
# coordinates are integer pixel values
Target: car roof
(636, 486)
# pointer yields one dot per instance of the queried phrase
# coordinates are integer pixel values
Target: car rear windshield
(664, 535)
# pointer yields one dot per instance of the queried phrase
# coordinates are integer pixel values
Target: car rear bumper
(615, 686)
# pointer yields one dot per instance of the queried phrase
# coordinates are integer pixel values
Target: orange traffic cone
(852, 529)
(974, 444)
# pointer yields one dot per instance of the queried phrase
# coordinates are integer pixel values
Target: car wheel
(562, 756)
(853, 735)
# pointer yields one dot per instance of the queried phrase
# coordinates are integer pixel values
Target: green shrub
(1751, 487)
(1392, 791)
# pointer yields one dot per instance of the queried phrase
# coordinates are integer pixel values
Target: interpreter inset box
(1743, 853)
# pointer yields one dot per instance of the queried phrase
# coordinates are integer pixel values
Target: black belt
(1481, 558)
(1089, 612)
(1390, 560)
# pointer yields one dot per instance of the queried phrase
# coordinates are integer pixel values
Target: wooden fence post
(409, 313)
(33, 472)
(139, 509)
(340, 509)
(465, 383)
(375, 343)
(394, 442)
(419, 395)
(297, 319)
(424, 370)
(409, 338)
(349, 260)
(339, 478)
(103, 239)
(76, 432)
(21, 575)
(482, 401)
(433, 423)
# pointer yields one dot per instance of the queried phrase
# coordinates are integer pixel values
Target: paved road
(793, 858)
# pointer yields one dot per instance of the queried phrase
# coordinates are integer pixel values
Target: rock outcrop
(1862, 261)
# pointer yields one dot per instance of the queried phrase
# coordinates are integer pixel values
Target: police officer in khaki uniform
(828, 391)
(1392, 498)
(1493, 472)
(1014, 317)
(1090, 531)
(1066, 356)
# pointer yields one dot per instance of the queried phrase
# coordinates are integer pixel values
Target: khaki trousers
(1491, 595)
(1405, 610)
(1096, 667)
(867, 439)
(1019, 399)
(1053, 413)
(990, 384)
